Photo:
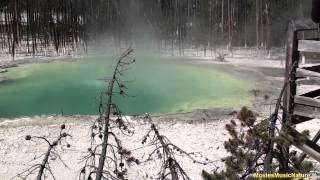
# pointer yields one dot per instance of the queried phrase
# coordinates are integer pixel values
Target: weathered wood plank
(303, 89)
(315, 139)
(300, 119)
(309, 147)
(309, 46)
(306, 111)
(292, 60)
(308, 81)
(305, 66)
(314, 68)
(306, 73)
(307, 101)
(312, 94)
(304, 25)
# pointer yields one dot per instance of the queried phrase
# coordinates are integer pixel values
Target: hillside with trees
(33, 25)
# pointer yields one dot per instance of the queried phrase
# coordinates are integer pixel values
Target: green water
(158, 86)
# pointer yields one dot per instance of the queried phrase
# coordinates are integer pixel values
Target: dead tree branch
(272, 127)
(167, 151)
(106, 156)
(44, 167)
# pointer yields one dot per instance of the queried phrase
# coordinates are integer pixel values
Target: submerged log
(6, 66)
(3, 70)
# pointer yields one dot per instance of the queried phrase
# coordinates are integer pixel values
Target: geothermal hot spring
(155, 85)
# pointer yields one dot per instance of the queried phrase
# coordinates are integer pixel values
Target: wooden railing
(303, 38)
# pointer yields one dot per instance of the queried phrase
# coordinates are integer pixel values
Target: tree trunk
(257, 24)
(268, 42)
(222, 20)
(245, 27)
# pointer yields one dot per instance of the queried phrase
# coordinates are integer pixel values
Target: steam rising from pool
(155, 85)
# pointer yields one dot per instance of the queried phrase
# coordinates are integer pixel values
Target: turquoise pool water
(158, 85)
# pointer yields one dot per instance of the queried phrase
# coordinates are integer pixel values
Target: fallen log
(3, 70)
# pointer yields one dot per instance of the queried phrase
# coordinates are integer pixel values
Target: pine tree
(248, 148)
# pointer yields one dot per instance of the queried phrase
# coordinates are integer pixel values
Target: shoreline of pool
(243, 71)
(200, 129)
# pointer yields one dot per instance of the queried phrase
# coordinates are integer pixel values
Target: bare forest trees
(38, 27)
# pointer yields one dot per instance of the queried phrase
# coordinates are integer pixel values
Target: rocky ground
(16, 154)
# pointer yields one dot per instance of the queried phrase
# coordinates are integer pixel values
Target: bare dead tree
(221, 57)
(271, 130)
(106, 157)
(167, 152)
(43, 168)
